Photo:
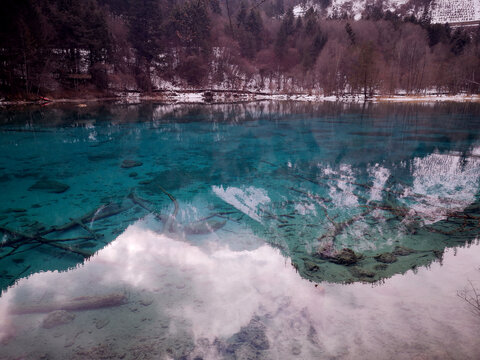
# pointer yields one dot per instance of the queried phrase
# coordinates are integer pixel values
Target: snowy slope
(354, 8)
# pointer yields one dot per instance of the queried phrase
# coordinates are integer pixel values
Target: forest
(67, 47)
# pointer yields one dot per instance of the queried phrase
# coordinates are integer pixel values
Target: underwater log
(80, 303)
(203, 227)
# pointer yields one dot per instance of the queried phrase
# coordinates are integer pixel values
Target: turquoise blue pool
(269, 230)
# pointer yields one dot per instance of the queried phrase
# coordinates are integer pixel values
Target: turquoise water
(232, 231)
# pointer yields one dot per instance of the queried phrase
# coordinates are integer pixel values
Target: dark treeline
(67, 46)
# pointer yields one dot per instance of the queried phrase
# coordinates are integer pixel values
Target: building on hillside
(456, 12)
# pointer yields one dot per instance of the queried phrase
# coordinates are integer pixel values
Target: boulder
(101, 323)
(127, 164)
(50, 186)
(57, 318)
(402, 251)
(381, 267)
(361, 272)
(343, 257)
(310, 266)
(386, 258)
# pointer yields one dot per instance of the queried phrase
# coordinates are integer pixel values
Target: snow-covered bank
(225, 96)
(427, 98)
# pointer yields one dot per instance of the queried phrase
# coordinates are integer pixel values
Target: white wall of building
(453, 11)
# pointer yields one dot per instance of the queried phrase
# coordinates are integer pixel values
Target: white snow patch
(355, 8)
(380, 175)
(446, 183)
(428, 98)
(304, 209)
(246, 200)
(342, 194)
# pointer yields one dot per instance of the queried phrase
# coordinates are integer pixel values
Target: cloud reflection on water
(209, 291)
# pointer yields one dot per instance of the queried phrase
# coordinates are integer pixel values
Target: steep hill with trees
(67, 48)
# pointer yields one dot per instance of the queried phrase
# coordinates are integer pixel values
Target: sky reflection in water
(203, 295)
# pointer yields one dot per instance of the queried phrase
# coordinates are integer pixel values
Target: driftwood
(339, 227)
(15, 250)
(71, 249)
(175, 203)
(199, 227)
(70, 225)
(22, 238)
(203, 227)
(106, 211)
(273, 216)
(80, 303)
(11, 252)
(102, 212)
(87, 229)
(144, 204)
(320, 201)
(80, 238)
(171, 220)
(397, 211)
(19, 275)
(17, 240)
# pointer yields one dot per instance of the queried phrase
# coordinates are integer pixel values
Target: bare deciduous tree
(471, 295)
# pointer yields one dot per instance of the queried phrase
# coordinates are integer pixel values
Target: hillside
(63, 48)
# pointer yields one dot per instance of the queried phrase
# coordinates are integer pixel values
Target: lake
(269, 230)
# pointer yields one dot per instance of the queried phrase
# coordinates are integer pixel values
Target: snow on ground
(427, 98)
(355, 8)
(198, 97)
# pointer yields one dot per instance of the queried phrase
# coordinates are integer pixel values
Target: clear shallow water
(226, 240)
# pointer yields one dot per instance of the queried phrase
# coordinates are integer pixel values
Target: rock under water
(127, 164)
(57, 318)
(50, 186)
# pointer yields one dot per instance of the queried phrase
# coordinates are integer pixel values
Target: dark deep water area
(270, 230)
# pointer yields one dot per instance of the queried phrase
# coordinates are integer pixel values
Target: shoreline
(206, 97)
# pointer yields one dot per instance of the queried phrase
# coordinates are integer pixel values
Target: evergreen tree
(145, 28)
(250, 34)
(287, 28)
(350, 33)
(298, 25)
(311, 21)
(242, 15)
(279, 7)
(145, 35)
(254, 26)
(314, 49)
(458, 41)
(281, 42)
(215, 6)
(289, 22)
(192, 27)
